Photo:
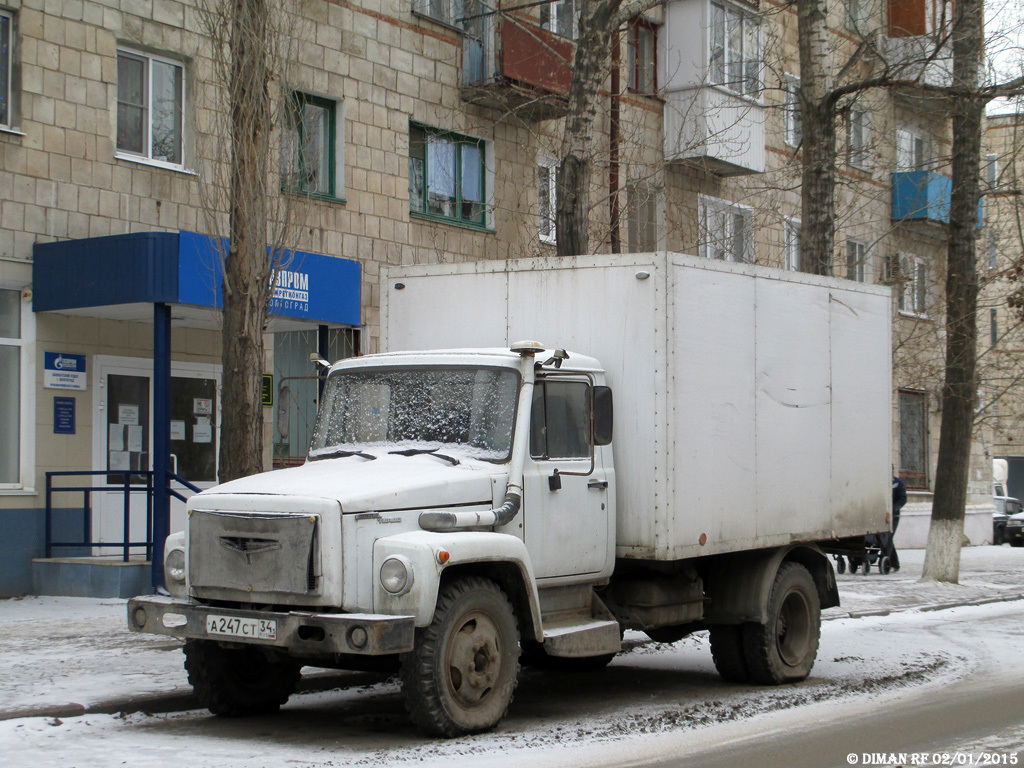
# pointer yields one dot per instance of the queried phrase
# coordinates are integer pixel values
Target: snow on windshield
(466, 409)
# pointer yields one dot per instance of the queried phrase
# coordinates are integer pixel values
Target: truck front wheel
(783, 649)
(237, 682)
(462, 673)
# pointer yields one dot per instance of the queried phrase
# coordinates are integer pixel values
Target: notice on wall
(202, 432)
(63, 415)
(128, 414)
(177, 429)
(135, 438)
(202, 406)
(63, 371)
(120, 461)
(115, 438)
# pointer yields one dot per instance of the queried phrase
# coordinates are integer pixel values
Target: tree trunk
(596, 21)
(942, 559)
(817, 202)
(246, 265)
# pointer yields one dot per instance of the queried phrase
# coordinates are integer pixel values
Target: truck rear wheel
(462, 673)
(728, 654)
(238, 682)
(783, 649)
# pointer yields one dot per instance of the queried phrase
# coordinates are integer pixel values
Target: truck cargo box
(753, 407)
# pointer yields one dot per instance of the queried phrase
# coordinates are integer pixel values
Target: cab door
(566, 506)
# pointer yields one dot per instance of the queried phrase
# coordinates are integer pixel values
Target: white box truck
(472, 500)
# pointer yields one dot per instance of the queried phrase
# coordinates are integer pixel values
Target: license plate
(250, 629)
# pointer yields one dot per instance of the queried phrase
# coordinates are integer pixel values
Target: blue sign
(310, 286)
(63, 371)
(63, 415)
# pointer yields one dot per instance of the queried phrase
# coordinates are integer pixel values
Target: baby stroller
(875, 547)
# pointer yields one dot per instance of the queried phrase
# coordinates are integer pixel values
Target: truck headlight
(396, 575)
(174, 565)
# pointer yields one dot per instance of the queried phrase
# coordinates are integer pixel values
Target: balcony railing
(512, 64)
(924, 196)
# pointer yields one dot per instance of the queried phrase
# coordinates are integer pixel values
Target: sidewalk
(63, 656)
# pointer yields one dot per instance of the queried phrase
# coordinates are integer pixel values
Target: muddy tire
(462, 673)
(728, 654)
(239, 682)
(783, 649)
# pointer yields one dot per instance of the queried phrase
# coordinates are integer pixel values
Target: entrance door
(565, 526)
(122, 439)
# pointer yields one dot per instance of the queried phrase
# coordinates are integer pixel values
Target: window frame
(642, 206)
(992, 170)
(26, 343)
(859, 156)
(909, 142)
(459, 141)
(636, 62)
(857, 14)
(731, 211)
(7, 82)
(549, 18)
(912, 283)
(584, 420)
(793, 118)
(791, 243)
(723, 60)
(914, 480)
(334, 109)
(856, 260)
(146, 156)
(550, 165)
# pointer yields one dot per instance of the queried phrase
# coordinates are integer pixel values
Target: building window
(993, 251)
(643, 56)
(856, 257)
(858, 138)
(992, 170)
(735, 49)
(726, 230)
(911, 150)
(311, 147)
(446, 176)
(794, 120)
(547, 198)
(642, 217)
(10, 387)
(559, 16)
(6, 67)
(914, 439)
(910, 275)
(446, 11)
(858, 14)
(993, 326)
(792, 245)
(150, 107)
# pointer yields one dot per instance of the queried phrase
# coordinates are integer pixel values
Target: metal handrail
(126, 487)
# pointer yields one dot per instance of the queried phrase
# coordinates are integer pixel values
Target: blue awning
(184, 268)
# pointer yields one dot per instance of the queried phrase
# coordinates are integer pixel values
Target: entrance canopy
(122, 276)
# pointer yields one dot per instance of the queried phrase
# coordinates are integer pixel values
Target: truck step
(576, 634)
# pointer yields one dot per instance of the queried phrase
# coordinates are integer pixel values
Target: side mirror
(602, 415)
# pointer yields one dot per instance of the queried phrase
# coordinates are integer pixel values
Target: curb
(926, 607)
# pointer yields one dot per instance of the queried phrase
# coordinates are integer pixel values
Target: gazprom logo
(291, 286)
(65, 363)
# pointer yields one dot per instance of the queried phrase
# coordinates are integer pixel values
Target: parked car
(1006, 507)
(1015, 529)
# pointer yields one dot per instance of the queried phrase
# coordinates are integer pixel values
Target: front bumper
(300, 633)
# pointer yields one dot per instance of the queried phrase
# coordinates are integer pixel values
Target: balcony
(924, 196)
(915, 58)
(514, 65)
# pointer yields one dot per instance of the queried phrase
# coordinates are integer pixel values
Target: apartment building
(411, 131)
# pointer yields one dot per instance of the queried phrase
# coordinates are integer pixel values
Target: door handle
(599, 484)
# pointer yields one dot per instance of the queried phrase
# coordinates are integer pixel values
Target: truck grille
(254, 552)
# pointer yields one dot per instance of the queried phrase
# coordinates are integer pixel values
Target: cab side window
(560, 420)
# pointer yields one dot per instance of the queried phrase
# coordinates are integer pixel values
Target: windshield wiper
(430, 451)
(341, 453)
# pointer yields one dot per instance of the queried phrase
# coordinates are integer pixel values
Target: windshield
(469, 410)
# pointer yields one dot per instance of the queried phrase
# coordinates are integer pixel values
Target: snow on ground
(55, 652)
